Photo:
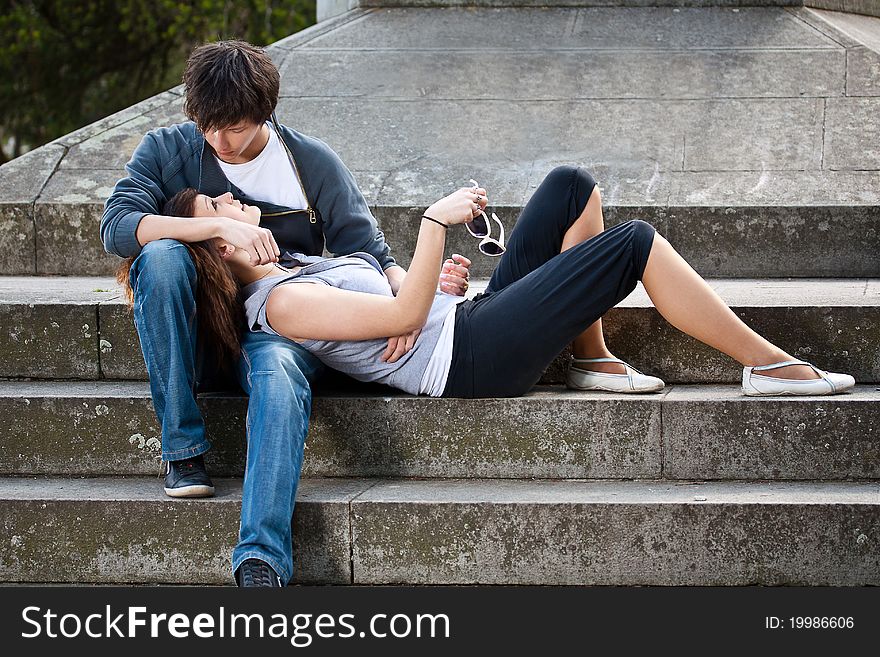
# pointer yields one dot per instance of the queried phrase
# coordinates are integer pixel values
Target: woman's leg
(590, 343)
(564, 211)
(688, 303)
(504, 340)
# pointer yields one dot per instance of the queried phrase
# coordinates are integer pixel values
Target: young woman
(550, 288)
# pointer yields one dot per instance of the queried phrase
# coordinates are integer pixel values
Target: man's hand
(258, 242)
(455, 275)
(395, 275)
(399, 346)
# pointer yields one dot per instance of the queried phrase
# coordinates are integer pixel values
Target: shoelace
(165, 466)
(257, 574)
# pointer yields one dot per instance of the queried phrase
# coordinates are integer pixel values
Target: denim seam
(247, 360)
(187, 452)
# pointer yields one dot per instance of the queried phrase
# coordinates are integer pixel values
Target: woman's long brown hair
(219, 315)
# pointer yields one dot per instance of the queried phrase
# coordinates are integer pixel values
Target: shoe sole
(624, 392)
(190, 491)
(788, 393)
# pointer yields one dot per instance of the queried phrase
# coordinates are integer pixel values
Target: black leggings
(539, 299)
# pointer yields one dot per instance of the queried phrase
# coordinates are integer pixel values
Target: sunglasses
(481, 228)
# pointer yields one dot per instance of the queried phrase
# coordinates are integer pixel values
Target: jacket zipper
(278, 214)
(312, 215)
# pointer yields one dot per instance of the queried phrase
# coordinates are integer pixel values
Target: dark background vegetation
(67, 63)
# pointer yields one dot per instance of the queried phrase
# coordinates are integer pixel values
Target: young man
(233, 145)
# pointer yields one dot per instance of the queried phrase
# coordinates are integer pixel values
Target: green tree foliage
(64, 63)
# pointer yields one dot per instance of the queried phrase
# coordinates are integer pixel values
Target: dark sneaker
(188, 478)
(253, 572)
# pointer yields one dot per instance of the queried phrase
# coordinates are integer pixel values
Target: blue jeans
(276, 373)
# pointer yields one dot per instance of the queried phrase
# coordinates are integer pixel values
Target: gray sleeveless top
(358, 272)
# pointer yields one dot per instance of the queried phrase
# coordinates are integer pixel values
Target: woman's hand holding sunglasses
(460, 207)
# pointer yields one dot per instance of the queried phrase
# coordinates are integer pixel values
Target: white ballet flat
(761, 385)
(633, 381)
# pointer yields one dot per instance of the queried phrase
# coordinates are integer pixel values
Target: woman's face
(226, 206)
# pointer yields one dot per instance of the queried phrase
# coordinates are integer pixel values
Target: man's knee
(163, 263)
(281, 372)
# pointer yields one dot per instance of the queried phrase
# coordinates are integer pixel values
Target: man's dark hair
(229, 82)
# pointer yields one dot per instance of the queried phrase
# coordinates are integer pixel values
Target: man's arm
(136, 196)
(395, 275)
(132, 219)
(156, 227)
(349, 226)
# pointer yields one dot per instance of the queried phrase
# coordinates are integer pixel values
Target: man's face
(235, 144)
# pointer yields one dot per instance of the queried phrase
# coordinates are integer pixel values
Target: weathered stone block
(548, 433)
(127, 531)
(713, 433)
(104, 429)
(866, 7)
(616, 533)
(531, 27)
(560, 75)
(852, 133)
(770, 241)
(112, 148)
(746, 135)
(609, 131)
(862, 72)
(111, 429)
(117, 119)
(21, 182)
(68, 219)
(17, 238)
(49, 341)
(121, 356)
(51, 326)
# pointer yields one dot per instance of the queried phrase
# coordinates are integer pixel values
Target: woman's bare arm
(313, 311)
(319, 312)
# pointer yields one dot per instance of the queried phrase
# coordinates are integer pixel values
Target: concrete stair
(469, 531)
(746, 135)
(685, 432)
(81, 328)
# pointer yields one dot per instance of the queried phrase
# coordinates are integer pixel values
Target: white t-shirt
(268, 177)
(437, 371)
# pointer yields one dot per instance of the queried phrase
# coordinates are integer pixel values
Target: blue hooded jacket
(173, 158)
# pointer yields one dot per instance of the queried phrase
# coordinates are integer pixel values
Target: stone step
(329, 8)
(80, 328)
(757, 166)
(685, 432)
(798, 224)
(350, 531)
(117, 530)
